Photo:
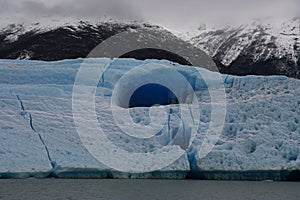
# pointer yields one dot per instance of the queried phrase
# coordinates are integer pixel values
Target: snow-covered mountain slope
(265, 46)
(39, 137)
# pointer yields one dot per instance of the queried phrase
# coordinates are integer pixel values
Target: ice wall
(38, 135)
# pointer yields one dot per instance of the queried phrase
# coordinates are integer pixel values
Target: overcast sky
(173, 14)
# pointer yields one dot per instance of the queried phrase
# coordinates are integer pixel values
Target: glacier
(260, 138)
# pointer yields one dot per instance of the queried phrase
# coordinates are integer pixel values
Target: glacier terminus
(39, 136)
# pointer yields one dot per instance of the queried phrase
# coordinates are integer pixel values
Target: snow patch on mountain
(264, 38)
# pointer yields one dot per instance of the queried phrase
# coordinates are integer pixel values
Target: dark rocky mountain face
(252, 49)
(74, 41)
(150, 53)
(61, 43)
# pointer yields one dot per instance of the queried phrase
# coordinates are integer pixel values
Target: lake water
(110, 189)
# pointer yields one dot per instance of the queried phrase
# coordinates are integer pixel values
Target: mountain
(260, 47)
(76, 40)
(56, 42)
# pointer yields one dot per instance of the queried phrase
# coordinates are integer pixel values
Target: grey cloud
(175, 14)
(32, 9)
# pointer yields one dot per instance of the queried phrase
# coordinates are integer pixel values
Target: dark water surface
(145, 189)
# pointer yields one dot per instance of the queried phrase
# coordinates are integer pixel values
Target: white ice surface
(261, 131)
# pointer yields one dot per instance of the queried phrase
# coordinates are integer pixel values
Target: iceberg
(148, 109)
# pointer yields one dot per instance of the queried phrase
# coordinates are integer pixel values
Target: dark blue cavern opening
(152, 94)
